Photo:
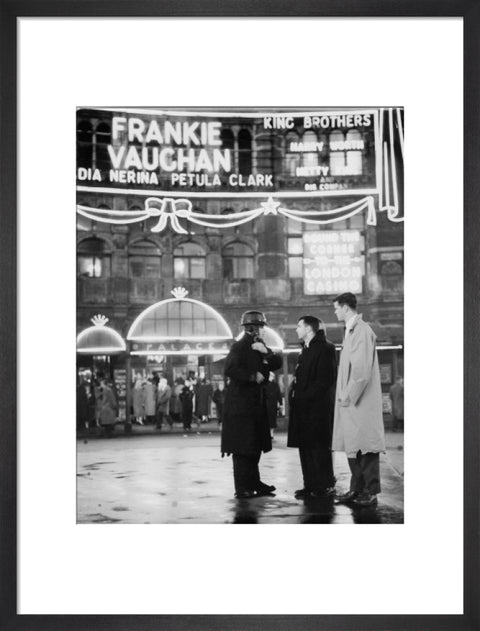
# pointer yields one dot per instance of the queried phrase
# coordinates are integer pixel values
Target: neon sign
(152, 325)
(333, 262)
(174, 150)
(100, 339)
(173, 157)
(180, 348)
(169, 211)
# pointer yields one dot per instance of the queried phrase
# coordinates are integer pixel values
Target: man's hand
(259, 377)
(260, 347)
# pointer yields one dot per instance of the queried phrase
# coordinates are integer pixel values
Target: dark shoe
(301, 494)
(328, 492)
(266, 487)
(346, 498)
(264, 492)
(243, 495)
(365, 499)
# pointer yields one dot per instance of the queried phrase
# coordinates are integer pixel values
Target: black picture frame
(10, 10)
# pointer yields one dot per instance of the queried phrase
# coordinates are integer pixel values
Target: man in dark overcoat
(246, 427)
(312, 406)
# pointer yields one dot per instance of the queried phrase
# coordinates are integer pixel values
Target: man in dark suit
(312, 405)
(246, 427)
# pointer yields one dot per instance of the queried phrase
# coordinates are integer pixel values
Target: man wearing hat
(246, 427)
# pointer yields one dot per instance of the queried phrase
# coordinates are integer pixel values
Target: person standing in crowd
(312, 406)
(219, 400)
(186, 401)
(108, 409)
(175, 403)
(85, 405)
(203, 400)
(164, 392)
(274, 401)
(396, 398)
(245, 427)
(138, 399)
(150, 400)
(358, 424)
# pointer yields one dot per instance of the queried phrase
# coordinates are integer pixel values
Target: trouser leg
(254, 470)
(246, 476)
(370, 465)
(307, 482)
(365, 469)
(159, 419)
(317, 468)
(357, 483)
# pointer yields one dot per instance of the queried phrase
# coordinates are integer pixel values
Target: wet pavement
(152, 478)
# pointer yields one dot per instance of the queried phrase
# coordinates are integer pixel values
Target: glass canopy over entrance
(167, 326)
(100, 339)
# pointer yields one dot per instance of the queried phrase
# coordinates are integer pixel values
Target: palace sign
(180, 348)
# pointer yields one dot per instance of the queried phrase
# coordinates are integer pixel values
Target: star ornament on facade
(270, 207)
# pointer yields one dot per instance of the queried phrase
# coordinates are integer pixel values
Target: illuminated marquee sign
(196, 152)
(333, 262)
(167, 159)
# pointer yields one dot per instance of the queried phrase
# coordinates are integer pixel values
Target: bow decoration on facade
(168, 209)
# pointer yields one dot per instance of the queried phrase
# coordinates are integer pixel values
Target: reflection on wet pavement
(173, 480)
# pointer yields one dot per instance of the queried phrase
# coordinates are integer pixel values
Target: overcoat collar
(358, 318)
(318, 337)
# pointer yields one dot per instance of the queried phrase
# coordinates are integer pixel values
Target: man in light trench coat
(358, 422)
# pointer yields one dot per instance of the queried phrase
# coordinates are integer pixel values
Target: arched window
(354, 152)
(144, 260)
(103, 137)
(228, 141)
(189, 261)
(84, 144)
(93, 260)
(238, 261)
(244, 152)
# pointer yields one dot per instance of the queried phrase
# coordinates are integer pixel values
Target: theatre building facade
(185, 219)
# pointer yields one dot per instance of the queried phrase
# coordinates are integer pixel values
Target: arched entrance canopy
(271, 338)
(100, 339)
(179, 326)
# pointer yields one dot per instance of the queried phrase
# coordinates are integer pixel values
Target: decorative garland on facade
(169, 210)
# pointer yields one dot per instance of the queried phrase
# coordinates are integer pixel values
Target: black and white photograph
(239, 247)
(240, 301)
